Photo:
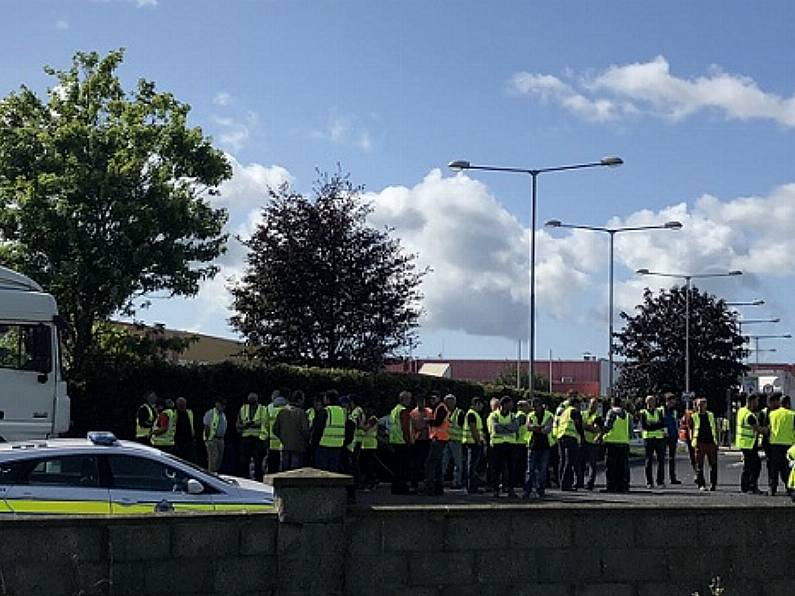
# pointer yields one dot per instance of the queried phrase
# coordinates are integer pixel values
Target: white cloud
(62, 25)
(344, 130)
(145, 3)
(650, 88)
(222, 98)
(233, 135)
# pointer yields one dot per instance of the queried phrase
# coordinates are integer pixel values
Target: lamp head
(673, 225)
(735, 272)
(553, 223)
(611, 161)
(458, 165)
(642, 271)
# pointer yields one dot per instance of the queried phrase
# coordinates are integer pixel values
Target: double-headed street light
(670, 225)
(688, 277)
(756, 338)
(459, 165)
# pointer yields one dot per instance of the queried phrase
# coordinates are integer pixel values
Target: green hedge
(108, 396)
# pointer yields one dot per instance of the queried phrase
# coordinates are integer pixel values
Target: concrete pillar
(311, 505)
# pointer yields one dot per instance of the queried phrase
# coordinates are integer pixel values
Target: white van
(33, 400)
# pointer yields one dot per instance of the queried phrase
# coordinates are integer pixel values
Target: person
(539, 425)
(369, 449)
(767, 403)
(145, 418)
(401, 438)
(185, 436)
(652, 424)
(214, 432)
(473, 440)
(791, 479)
(489, 452)
(705, 435)
(685, 426)
(555, 456)
(521, 441)
(420, 416)
(165, 428)
(317, 405)
(278, 402)
(592, 425)
(356, 416)
(453, 450)
(249, 423)
(292, 429)
(503, 426)
(671, 436)
(570, 435)
(439, 433)
(617, 433)
(328, 434)
(747, 429)
(782, 437)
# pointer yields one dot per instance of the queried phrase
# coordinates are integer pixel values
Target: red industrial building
(587, 376)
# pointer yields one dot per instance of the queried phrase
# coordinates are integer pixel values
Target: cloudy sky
(698, 98)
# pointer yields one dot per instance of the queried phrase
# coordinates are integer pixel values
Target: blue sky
(698, 98)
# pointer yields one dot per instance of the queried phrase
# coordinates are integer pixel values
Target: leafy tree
(653, 343)
(133, 345)
(321, 286)
(103, 194)
(507, 377)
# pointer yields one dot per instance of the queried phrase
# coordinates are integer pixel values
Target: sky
(697, 98)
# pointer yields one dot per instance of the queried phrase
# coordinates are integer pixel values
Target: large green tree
(322, 287)
(104, 194)
(653, 344)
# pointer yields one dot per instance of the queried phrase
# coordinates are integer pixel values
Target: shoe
(772, 492)
(675, 481)
(589, 487)
(650, 486)
(713, 488)
(756, 491)
(703, 489)
(661, 485)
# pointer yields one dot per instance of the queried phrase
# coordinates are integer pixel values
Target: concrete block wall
(566, 551)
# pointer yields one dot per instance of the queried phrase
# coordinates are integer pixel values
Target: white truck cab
(33, 400)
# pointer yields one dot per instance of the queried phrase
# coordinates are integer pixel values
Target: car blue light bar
(102, 438)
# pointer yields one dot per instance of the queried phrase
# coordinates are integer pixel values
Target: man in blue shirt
(672, 416)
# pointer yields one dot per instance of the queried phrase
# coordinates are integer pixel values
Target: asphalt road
(686, 494)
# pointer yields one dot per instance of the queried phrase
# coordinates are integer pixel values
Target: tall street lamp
(688, 277)
(756, 338)
(670, 225)
(459, 165)
(757, 302)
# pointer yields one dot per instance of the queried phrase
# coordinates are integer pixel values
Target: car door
(66, 484)
(8, 472)
(140, 484)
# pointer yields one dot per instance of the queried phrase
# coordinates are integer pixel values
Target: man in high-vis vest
(521, 441)
(185, 436)
(473, 440)
(592, 425)
(439, 432)
(791, 479)
(782, 437)
(539, 428)
(617, 433)
(356, 416)
(652, 431)
(369, 450)
(504, 428)
(278, 402)
(329, 433)
(705, 440)
(746, 440)
(400, 440)
(145, 418)
(250, 419)
(454, 450)
(214, 433)
(165, 428)
(570, 434)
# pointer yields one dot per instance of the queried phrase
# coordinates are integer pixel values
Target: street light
(688, 277)
(757, 302)
(669, 225)
(460, 165)
(756, 339)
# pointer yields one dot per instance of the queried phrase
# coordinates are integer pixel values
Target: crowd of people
(498, 445)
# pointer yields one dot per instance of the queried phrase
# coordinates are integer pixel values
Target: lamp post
(460, 165)
(757, 302)
(688, 277)
(756, 339)
(611, 232)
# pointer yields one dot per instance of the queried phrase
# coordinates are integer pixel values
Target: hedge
(108, 396)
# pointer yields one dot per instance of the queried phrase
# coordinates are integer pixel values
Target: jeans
(434, 473)
(327, 458)
(453, 450)
(473, 454)
(616, 472)
(777, 467)
(655, 448)
(570, 456)
(251, 448)
(710, 451)
(502, 461)
(400, 473)
(291, 460)
(367, 468)
(273, 460)
(536, 477)
(671, 444)
(419, 455)
(589, 454)
(519, 457)
(752, 466)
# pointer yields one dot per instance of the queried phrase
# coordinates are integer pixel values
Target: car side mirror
(195, 487)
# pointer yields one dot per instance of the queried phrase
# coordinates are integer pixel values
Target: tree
(321, 286)
(103, 194)
(653, 343)
(507, 377)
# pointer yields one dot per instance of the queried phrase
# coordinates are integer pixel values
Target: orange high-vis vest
(441, 433)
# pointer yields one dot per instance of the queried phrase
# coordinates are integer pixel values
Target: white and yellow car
(103, 476)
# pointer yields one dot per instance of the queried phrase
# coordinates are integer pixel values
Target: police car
(100, 475)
